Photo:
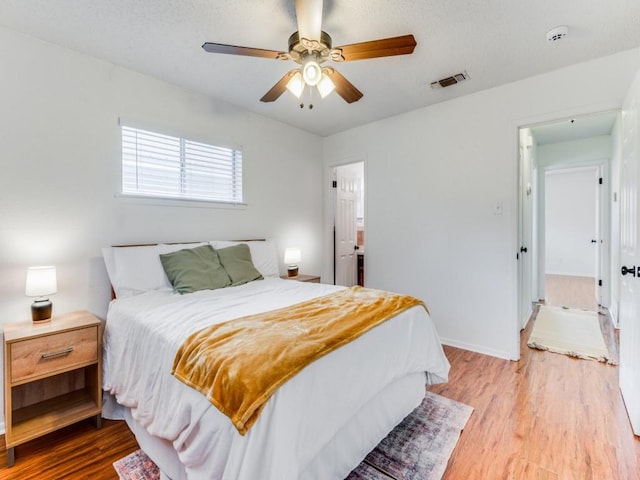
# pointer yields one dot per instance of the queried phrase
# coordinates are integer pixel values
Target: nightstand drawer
(50, 353)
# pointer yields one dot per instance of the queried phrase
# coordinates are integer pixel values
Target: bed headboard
(182, 243)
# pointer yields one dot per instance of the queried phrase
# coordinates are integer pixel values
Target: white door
(572, 223)
(348, 178)
(525, 270)
(630, 257)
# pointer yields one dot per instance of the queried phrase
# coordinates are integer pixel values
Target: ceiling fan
(311, 48)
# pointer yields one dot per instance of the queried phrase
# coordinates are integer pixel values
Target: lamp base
(292, 272)
(41, 311)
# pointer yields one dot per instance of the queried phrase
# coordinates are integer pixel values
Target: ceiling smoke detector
(452, 80)
(557, 33)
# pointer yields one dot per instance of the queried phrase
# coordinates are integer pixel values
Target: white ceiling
(495, 41)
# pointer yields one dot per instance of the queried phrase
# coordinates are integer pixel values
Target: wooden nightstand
(304, 278)
(52, 376)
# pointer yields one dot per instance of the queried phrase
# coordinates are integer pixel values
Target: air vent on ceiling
(452, 80)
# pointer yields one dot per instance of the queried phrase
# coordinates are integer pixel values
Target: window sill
(178, 202)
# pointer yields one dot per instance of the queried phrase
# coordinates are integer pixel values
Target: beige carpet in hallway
(571, 291)
(570, 332)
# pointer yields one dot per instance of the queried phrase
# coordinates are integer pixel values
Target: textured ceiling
(495, 41)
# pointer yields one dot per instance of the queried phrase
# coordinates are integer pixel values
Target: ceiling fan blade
(235, 50)
(279, 88)
(386, 47)
(309, 16)
(344, 87)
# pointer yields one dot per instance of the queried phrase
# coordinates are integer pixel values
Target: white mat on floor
(569, 331)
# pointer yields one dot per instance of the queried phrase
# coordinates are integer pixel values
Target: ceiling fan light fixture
(310, 48)
(295, 85)
(311, 72)
(325, 86)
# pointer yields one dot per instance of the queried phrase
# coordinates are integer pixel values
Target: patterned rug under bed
(417, 449)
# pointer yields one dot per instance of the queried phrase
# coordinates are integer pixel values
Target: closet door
(345, 225)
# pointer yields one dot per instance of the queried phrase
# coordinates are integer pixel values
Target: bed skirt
(334, 462)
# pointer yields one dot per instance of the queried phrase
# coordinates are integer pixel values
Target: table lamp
(292, 257)
(41, 281)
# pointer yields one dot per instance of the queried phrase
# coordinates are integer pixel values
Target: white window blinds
(162, 166)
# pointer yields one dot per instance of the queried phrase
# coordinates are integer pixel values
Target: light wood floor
(545, 417)
(78, 452)
(570, 291)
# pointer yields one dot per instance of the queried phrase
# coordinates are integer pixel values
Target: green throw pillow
(194, 269)
(237, 262)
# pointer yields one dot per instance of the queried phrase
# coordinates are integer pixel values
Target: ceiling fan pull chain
(310, 90)
(304, 86)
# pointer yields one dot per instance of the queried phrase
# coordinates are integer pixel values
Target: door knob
(631, 270)
(594, 241)
(523, 249)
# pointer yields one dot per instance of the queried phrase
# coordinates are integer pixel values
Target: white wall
(433, 178)
(570, 221)
(575, 152)
(60, 154)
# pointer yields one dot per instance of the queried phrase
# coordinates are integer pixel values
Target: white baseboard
(476, 348)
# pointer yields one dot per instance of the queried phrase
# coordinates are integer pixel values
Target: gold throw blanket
(239, 364)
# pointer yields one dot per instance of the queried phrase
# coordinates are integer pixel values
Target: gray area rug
(420, 446)
(417, 449)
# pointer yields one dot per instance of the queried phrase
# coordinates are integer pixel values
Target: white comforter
(144, 332)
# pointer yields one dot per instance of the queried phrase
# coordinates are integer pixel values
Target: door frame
(516, 125)
(330, 210)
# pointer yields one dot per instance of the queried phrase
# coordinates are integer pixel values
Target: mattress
(314, 426)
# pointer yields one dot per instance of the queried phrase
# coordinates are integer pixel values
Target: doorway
(572, 237)
(584, 144)
(349, 224)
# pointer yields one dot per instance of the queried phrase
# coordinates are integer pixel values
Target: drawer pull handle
(57, 354)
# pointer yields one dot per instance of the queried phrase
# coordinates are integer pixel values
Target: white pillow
(135, 270)
(263, 255)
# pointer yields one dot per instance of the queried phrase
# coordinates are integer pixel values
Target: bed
(318, 425)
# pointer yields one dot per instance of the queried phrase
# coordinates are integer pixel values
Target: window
(162, 166)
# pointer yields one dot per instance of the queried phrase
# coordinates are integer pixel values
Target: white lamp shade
(41, 281)
(295, 84)
(292, 256)
(326, 86)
